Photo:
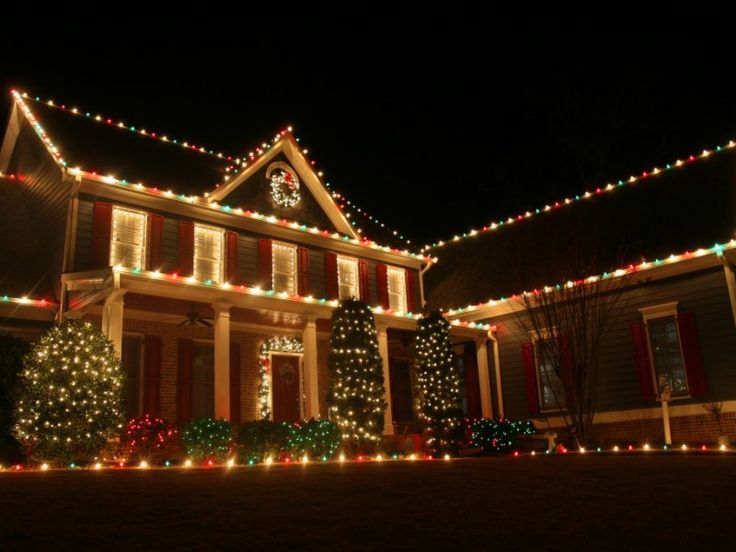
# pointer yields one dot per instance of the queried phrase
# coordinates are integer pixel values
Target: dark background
(433, 126)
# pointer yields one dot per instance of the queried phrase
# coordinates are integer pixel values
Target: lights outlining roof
(28, 302)
(199, 200)
(610, 187)
(717, 249)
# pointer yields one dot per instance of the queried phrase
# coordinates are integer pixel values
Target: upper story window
(347, 278)
(283, 268)
(208, 247)
(128, 240)
(397, 289)
(665, 349)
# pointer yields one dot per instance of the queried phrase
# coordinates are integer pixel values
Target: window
(397, 289)
(551, 393)
(128, 241)
(132, 366)
(284, 268)
(208, 244)
(347, 278)
(665, 349)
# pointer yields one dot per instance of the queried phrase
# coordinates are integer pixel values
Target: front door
(285, 386)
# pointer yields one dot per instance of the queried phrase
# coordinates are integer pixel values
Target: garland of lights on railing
(718, 249)
(238, 163)
(586, 195)
(275, 344)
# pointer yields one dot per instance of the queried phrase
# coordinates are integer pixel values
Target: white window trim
(404, 300)
(354, 261)
(652, 313)
(144, 245)
(295, 273)
(543, 335)
(222, 250)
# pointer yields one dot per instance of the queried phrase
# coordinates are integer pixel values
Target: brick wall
(697, 429)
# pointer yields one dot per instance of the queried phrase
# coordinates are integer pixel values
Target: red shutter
(382, 285)
(184, 381)
(333, 290)
(264, 264)
(691, 353)
(186, 247)
(152, 371)
(235, 383)
(643, 366)
(364, 281)
(155, 236)
(411, 301)
(303, 260)
(101, 230)
(530, 376)
(231, 257)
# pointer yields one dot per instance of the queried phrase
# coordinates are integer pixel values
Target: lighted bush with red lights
(499, 435)
(207, 439)
(149, 438)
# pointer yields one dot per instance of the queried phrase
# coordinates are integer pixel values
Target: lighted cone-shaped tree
(356, 394)
(438, 383)
(70, 394)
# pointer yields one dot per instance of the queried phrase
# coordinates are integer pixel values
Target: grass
(579, 502)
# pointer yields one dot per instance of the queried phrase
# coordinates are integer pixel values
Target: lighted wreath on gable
(284, 184)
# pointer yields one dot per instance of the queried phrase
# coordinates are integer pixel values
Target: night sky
(432, 129)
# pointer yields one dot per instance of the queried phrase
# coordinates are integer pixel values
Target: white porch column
(311, 381)
(112, 320)
(388, 420)
(484, 380)
(222, 361)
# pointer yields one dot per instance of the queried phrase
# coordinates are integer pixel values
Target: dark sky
(434, 129)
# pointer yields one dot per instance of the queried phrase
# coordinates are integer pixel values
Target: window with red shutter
(184, 380)
(303, 269)
(333, 290)
(152, 370)
(264, 264)
(231, 257)
(155, 237)
(186, 248)
(101, 230)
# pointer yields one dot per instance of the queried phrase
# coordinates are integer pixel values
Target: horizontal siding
(247, 259)
(705, 294)
(83, 241)
(170, 246)
(317, 275)
(247, 254)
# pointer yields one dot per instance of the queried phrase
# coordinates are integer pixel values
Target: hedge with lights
(70, 394)
(260, 439)
(150, 438)
(12, 351)
(438, 383)
(499, 435)
(315, 439)
(208, 439)
(356, 394)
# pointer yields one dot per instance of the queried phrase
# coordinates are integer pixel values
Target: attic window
(128, 242)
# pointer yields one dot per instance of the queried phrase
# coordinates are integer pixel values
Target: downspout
(497, 370)
(730, 283)
(421, 280)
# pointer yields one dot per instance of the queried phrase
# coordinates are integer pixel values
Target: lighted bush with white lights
(356, 394)
(69, 394)
(438, 383)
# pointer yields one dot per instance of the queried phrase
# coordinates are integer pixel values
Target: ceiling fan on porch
(193, 318)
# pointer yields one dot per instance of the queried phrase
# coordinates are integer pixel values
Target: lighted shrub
(499, 435)
(207, 439)
(69, 395)
(315, 438)
(262, 438)
(149, 438)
